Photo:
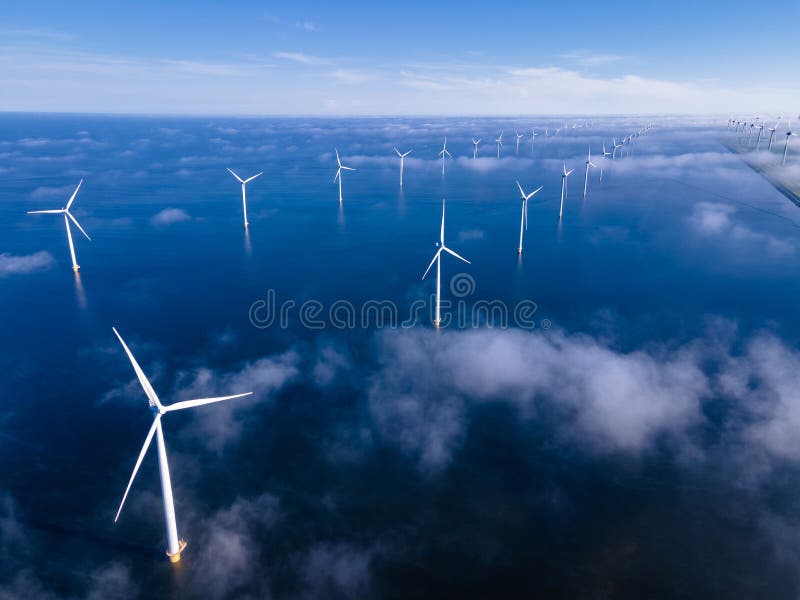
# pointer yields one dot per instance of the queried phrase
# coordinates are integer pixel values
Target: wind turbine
(339, 173)
(758, 139)
(589, 163)
(789, 134)
(67, 218)
(524, 215)
(444, 152)
(244, 182)
(533, 138)
(614, 142)
(564, 175)
(499, 143)
(475, 147)
(519, 137)
(602, 164)
(402, 156)
(437, 258)
(772, 134)
(174, 545)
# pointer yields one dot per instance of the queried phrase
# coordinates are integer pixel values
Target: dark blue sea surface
(635, 435)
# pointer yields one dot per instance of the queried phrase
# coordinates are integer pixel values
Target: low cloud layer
(29, 263)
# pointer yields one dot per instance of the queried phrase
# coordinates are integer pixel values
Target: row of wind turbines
(176, 544)
(757, 125)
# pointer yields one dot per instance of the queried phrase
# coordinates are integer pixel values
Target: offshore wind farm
(411, 366)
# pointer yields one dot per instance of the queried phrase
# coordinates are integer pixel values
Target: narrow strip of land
(774, 173)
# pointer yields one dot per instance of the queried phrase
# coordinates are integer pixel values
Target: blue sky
(400, 57)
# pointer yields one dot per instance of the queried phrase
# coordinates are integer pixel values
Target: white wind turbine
(616, 145)
(758, 139)
(244, 182)
(602, 164)
(533, 138)
(564, 175)
(475, 147)
(772, 131)
(589, 163)
(67, 218)
(174, 545)
(402, 156)
(339, 173)
(444, 153)
(499, 143)
(789, 134)
(437, 258)
(519, 137)
(524, 216)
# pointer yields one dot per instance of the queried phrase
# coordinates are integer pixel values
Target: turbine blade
(253, 177)
(398, 152)
(533, 193)
(201, 402)
(520, 189)
(448, 153)
(78, 225)
(347, 168)
(235, 175)
(336, 177)
(143, 451)
(446, 249)
(441, 233)
(46, 212)
(148, 389)
(75, 193)
(337, 157)
(435, 256)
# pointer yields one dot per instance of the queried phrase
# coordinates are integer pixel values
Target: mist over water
(636, 438)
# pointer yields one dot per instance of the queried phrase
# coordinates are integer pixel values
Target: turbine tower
(589, 163)
(444, 153)
(174, 545)
(524, 215)
(338, 175)
(402, 156)
(67, 218)
(244, 182)
(564, 175)
(437, 258)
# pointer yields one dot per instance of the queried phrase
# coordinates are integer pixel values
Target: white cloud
(299, 57)
(17, 265)
(168, 216)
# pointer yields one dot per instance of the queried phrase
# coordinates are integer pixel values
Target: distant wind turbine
(564, 175)
(524, 216)
(174, 545)
(789, 134)
(244, 182)
(499, 143)
(772, 134)
(758, 139)
(519, 137)
(67, 218)
(616, 145)
(437, 258)
(589, 163)
(444, 153)
(475, 147)
(402, 156)
(339, 173)
(533, 138)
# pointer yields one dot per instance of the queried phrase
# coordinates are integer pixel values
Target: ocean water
(622, 422)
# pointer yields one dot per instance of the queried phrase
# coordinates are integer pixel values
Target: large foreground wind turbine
(499, 141)
(524, 216)
(475, 147)
(444, 153)
(174, 545)
(67, 218)
(339, 173)
(564, 175)
(437, 258)
(244, 182)
(402, 156)
(589, 163)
